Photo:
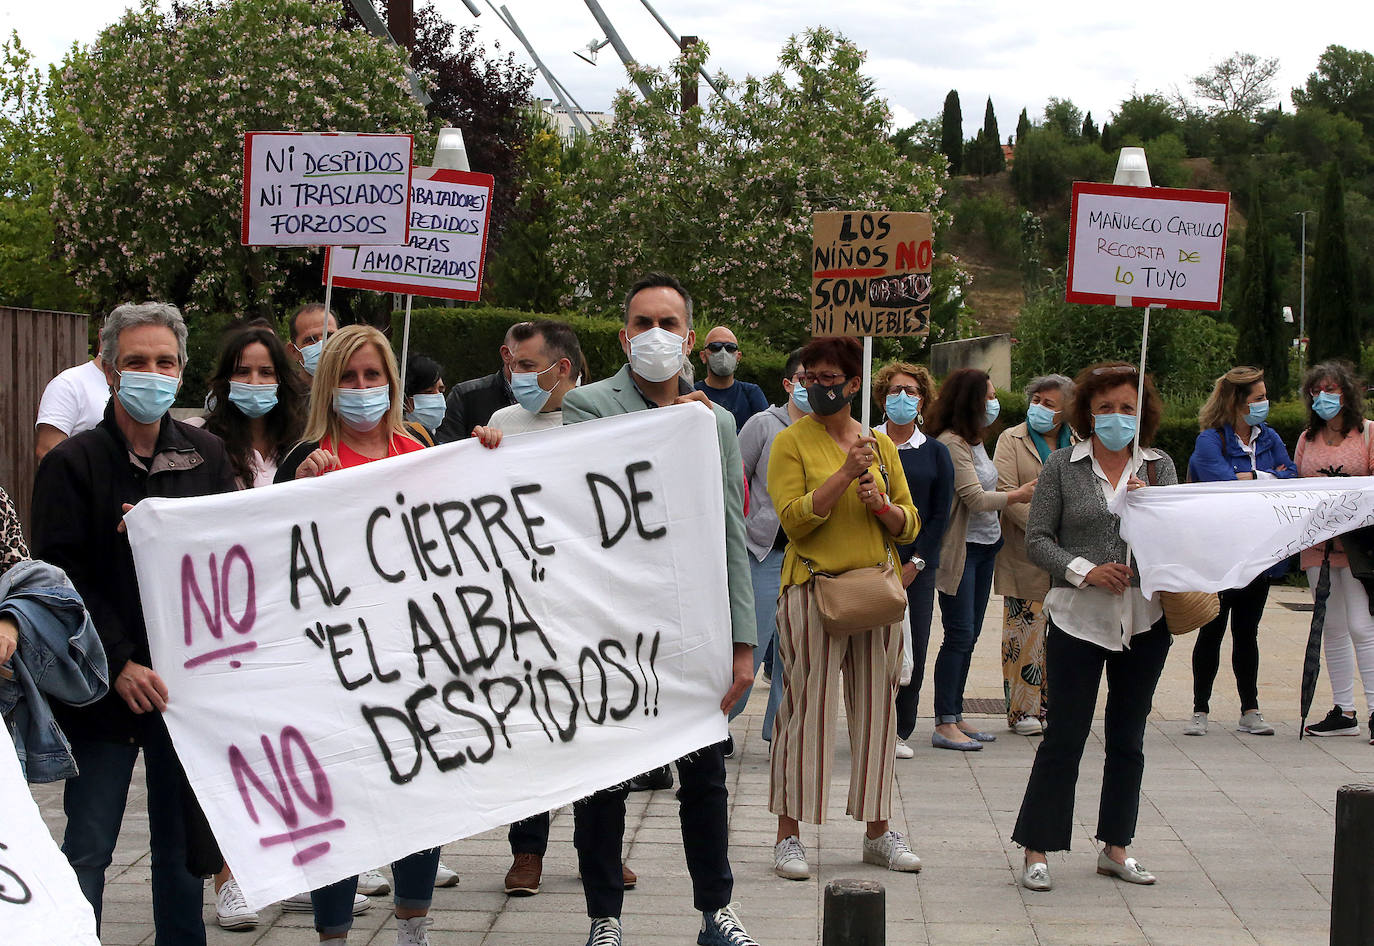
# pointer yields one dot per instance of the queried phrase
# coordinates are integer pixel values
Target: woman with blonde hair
(1234, 443)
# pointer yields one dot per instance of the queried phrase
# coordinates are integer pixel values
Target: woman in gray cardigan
(1098, 622)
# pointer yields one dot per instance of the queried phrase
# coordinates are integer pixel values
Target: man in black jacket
(471, 403)
(82, 489)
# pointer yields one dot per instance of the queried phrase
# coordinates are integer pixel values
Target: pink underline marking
(222, 652)
(310, 853)
(302, 833)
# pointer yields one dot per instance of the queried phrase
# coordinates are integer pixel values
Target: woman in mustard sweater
(843, 501)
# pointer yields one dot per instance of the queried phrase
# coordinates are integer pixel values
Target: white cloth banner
(1214, 536)
(40, 901)
(413, 651)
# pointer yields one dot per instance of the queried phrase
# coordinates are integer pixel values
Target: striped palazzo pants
(804, 731)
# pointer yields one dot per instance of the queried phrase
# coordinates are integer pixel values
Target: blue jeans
(94, 802)
(414, 875)
(962, 615)
(920, 599)
(767, 578)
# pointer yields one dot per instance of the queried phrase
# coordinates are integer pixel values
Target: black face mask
(827, 399)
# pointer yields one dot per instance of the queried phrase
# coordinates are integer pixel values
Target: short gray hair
(1047, 381)
(129, 316)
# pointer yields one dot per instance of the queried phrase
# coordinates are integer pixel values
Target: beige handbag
(858, 600)
(1186, 611)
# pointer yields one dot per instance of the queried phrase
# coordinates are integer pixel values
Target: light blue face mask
(800, 398)
(524, 385)
(990, 412)
(362, 409)
(901, 407)
(147, 395)
(1326, 405)
(429, 411)
(1114, 431)
(1257, 413)
(252, 400)
(1040, 418)
(310, 354)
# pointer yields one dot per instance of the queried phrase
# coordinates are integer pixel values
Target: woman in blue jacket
(1236, 444)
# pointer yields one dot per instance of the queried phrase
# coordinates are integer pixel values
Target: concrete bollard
(855, 914)
(1352, 870)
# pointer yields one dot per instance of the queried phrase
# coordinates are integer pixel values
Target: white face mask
(656, 354)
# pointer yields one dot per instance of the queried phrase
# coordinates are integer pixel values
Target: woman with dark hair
(1234, 444)
(424, 397)
(1338, 442)
(1099, 622)
(843, 501)
(967, 407)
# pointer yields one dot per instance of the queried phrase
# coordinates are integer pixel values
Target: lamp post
(1302, 298)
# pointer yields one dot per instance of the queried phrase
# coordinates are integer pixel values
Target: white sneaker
(891, 851)
(789, 859)
(444, 877)
(231, 910)
(1253, 723)
(1029, 726)
(300, 903)
(1197, 726)
(372, 883)
(411, 932)
(904, 751)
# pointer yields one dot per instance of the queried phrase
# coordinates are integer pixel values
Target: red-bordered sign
(1144, 246)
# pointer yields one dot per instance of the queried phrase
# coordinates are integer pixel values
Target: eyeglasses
(828, 377)
(731, 347)
(905, 389)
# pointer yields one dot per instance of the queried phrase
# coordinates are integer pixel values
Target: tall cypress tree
(1332, 324)
(994, 161)
(952, 132)
(1089, 129)
(1022, 126)
(1262, 339)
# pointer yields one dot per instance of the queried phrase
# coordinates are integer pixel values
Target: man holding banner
(656, 338)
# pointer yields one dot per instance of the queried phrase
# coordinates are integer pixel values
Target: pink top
(1353, 456)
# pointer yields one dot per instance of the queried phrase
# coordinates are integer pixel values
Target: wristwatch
(919, 562)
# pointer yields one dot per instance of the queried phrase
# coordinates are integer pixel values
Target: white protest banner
(1143, 246)
(394, 656)
(40, 901)
(449, 213)
(321, 189)
(1214, 536)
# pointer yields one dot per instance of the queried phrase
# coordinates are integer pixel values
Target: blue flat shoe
(943, 742)
(979, 735)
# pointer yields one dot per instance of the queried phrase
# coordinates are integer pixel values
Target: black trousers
(920, 598)
(530, 836)
(1245, 606)
(1073, 672)
(703, 808)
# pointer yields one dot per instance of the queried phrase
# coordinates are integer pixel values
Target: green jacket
(619, 395)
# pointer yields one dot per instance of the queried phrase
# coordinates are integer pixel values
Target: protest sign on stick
(870, 273)
(325, 189)
(40, 901)
(394, 656)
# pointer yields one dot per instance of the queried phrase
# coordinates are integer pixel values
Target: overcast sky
(1020, 54)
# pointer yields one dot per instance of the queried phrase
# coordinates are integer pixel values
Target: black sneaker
(652, 781)
(1336, 723)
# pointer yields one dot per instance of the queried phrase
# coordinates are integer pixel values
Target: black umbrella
(1312, 659)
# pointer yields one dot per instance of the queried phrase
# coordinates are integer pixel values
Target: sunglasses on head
(717, 346)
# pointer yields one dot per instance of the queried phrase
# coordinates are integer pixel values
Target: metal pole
(576, 104)
(405, 344)
(865, 409)
(505, 17)
(617, 43)
(328, 292)
(676, 39)
(1302, 301)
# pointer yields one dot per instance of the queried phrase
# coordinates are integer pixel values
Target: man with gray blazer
(657, 338)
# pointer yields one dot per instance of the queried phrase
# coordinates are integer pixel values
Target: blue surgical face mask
(1114, 431)
(1040, 418)
(901, 407)
(800, 399)
(1326, 405)
(1257, 413)
(310, 354)
(990, 412)
(429, 411)
(362, 409)
(528, 394)
(147, 395)
(252, 400)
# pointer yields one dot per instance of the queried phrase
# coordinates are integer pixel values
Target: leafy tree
(1260, 339)
(723, 196)
(993, 159)
(1022, 125)
(919, 141)
(952, 132)
(1342, 83)
(1089, 132)
(1047, 164)
(1063, 115)
(149, 181)
(1332, 325)
(1241, 84)
(1145, 117)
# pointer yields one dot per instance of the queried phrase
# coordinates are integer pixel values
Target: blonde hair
(321, 422)
(882, 381)
(1228, 397)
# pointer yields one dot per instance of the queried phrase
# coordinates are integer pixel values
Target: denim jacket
(59, 657)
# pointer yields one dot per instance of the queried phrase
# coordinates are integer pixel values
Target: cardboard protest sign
(325, 189)
(394, 656)
(449, 213)
(40, 901)
(1147, 245)
(1259, 523)
(870, 273)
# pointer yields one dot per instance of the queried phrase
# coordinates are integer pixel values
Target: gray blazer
(1069, 518)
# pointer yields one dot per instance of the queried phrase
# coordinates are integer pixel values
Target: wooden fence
(35, 346)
